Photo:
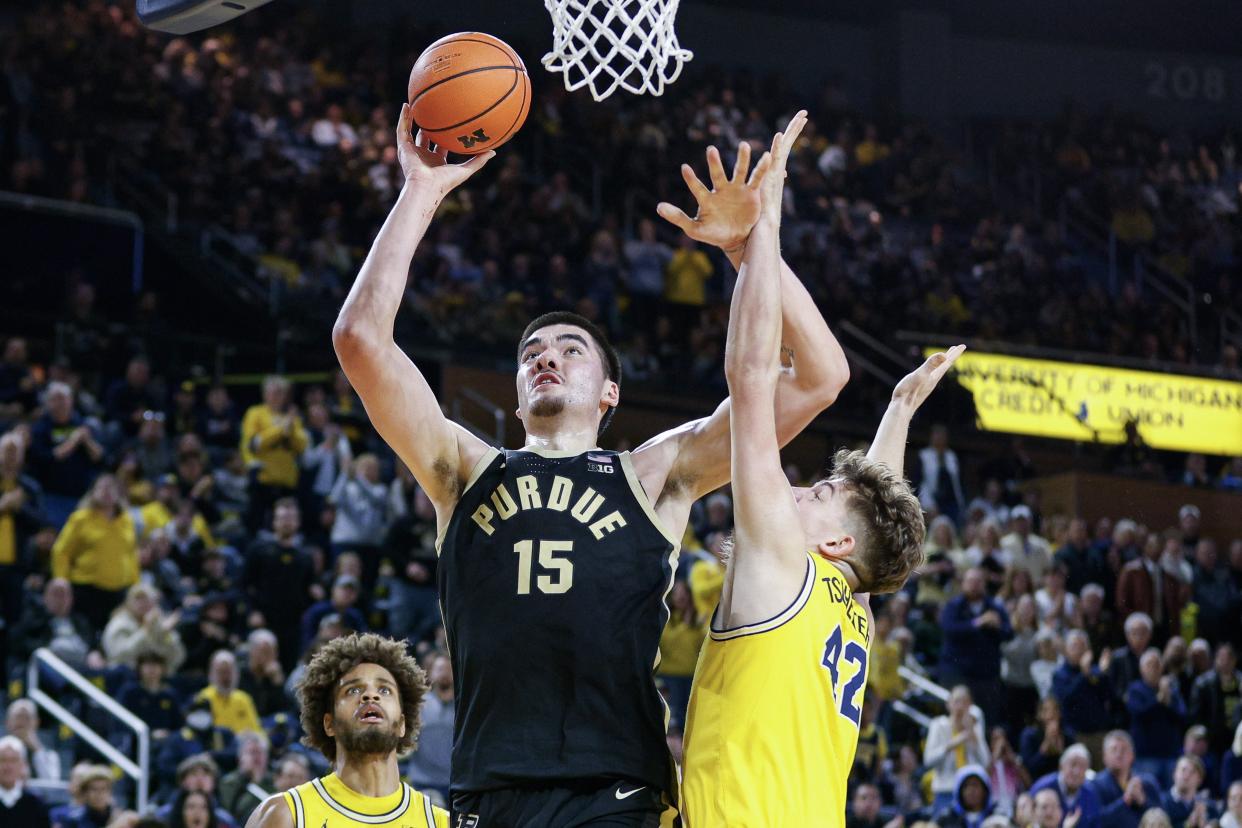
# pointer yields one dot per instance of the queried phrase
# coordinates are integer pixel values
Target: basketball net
(606, 44)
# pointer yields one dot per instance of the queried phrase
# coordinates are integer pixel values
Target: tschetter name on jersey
(839, 593)
(558, 497)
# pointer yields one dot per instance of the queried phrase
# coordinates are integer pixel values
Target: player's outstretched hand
(728, 210)
(915, 386)
(425, 167)
(772, 186)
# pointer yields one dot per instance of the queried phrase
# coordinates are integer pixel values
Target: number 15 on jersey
(561, 569)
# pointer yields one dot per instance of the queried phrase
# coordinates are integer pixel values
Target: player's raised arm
(698, 453)
(889, 445)
(767, 527)
(400, 403)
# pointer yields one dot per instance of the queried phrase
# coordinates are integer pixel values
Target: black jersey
(553, 576)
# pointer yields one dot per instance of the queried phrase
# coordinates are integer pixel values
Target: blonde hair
(365, 458)
(84, 775)
(1155, 818)
(14, 438)
(887, 521)
(135, 591)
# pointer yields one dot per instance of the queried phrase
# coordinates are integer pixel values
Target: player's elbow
(831, 383)
(742, 369)
(352, 338)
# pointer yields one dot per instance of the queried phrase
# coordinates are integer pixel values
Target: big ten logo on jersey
(601, 463)
(557, 498)
(467, 821)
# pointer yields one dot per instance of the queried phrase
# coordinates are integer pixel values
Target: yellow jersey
(773, 720)
(328, 803)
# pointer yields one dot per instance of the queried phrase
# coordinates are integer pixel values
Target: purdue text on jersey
(553, 577)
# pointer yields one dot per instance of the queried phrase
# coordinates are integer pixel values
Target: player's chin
(547, 403)
(377, 737)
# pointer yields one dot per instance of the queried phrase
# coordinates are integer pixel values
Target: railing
(139, 771)
(488, 407)
(1143, 269)
(140, 188)
(86, 212)
(857, 360)
(929, 687)
(923, 683)
(917, 716)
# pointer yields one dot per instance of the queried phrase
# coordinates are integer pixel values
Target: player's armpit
(406, 413)
(273, 813)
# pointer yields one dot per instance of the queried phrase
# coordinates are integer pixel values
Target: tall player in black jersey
(555, 558)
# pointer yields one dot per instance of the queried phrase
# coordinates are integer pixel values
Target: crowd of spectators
(1168, 195)
(189, 557)
(282, 136)
(143, 526)
(143, 520)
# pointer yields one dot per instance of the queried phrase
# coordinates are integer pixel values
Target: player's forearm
(823, 369)
(889, 445)
(752, 348)
(371, 307)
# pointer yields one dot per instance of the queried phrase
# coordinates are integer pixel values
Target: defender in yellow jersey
(330, 802)
(777, 698)
(360, 698)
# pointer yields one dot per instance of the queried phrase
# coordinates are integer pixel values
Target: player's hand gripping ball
(469, 92)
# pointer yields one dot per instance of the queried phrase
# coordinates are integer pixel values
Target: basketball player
(359, 699)
(774, 712)
(555, 559)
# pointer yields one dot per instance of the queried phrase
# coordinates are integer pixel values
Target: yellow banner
(1073, 401)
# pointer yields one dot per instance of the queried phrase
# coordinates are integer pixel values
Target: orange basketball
(469, 92)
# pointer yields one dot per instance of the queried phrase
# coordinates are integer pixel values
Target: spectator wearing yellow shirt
(163, 510)
(20, 516)
(685, 283)
(273, 438)
(679, 650)
(886, 656)
(706, 577)
(1132, 224)
(872, 747)
(97, 551)
(870, 150)
(231, 709)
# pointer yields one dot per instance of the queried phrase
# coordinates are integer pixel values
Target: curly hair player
(774, 712)
(359, 699)
(555, 559)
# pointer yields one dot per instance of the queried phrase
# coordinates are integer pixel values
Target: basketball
(470, 92)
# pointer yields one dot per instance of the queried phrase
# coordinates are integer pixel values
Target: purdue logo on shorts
(469, 141)
(467, 821)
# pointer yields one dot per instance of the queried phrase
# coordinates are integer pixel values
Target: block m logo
(473, 138)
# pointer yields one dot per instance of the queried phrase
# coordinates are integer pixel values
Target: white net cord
(606, 44)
